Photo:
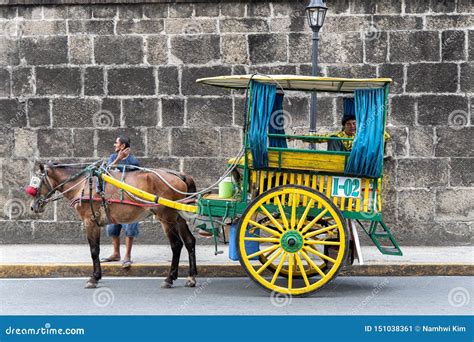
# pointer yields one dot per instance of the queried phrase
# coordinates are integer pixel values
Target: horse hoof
(166, 285)
(190, 283)
(90, 285)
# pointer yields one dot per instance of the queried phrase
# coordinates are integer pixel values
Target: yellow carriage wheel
(293, 238)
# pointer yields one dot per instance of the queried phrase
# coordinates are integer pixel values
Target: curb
(225, 271)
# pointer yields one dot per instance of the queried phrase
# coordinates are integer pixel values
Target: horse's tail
(190, 183)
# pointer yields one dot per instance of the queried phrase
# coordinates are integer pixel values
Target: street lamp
(316, 11)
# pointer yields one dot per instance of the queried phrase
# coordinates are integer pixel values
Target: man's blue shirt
(130, 160)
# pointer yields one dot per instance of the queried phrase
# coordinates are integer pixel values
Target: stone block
(299, 47)
(64, 213)
(172, 112)
(104, 11)
(58, 81)
(55, 143)
(232, 9)
(6, 142)
(234, 49)
(267, 48)
(355, 71)
(156, 10)
(4, 83)
(80, 50)
(94, 81)
(243, 25)
(230, 141)
(191, 74)
(416, 205)
(417, 6)
(140, 112)
(106, 50)
(239, 70)
(205, 171)
(168, 80)
(454, 205)
(402, 111)
(75, 112)
(296, 111)
(465, 6)
(9, 52)
(55, 12)
(16, 232)
(206, 10)
(83, 144)
(421, 141)
(29, 12)
(180, 10)
(395, 72)
(12, 113)
(376, 47)
(140, 27)
(443, 22)
(413, 173)
(191, 29)
(194, 142)
(462, 172)
(110, 113)
(409, 46)
(58, 232)
(452, 45)
(18, 171)
(157, 50)
(158, 142)
(467, 78)
(397, 143)
(209, 112)
(240, 111)
(432, 78)
(79, 12)
(130, 11)
(196, 49)
(43, 28)
(44, 50)
(444, 6)
(25, 143)
(363, 7)
(273, 70)
(161, 162)
(341, 48)
(38, 112)
(8, 12)
(288, 8)
(95, 27)
(432, 234)
(23, 82)
(452, 140)
(391, 22)
(471, 45)
(258, 9)
(131, 81)
(107, 137)
(388, 6)
(289, 24)
(441, 110)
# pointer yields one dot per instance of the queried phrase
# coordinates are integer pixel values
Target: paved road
(237, 296)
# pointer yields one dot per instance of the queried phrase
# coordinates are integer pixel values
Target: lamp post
(316, 11)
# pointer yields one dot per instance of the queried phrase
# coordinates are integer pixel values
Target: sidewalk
(25, 261)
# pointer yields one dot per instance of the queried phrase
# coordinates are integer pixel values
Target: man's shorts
(131, 230)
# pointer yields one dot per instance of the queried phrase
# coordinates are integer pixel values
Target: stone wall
(73, 76)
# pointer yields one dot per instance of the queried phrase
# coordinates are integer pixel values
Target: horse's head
(40, 188)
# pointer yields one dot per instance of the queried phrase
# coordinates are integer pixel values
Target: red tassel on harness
(31, 191)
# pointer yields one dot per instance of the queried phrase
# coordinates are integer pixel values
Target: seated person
(348, 131)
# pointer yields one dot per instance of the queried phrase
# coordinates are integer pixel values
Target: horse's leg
(190, 243)
(176, 246)
(93, 236)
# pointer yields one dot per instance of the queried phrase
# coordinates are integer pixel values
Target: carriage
(293, 210)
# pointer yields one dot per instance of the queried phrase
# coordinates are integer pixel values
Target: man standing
(122, 156)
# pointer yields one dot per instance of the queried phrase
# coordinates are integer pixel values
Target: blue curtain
(263, 100)
(277, 122)
(367, 151)
(349, 108)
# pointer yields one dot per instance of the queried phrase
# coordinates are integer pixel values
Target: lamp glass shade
(316, 13)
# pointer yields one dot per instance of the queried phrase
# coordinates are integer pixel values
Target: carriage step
(389, 246)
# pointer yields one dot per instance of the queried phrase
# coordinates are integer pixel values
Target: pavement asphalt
(30, 261)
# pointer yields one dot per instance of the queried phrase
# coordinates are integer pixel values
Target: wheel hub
(292, 241)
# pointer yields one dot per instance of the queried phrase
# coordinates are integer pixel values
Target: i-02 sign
(346, 187)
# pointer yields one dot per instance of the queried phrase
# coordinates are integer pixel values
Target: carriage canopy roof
(298, 82)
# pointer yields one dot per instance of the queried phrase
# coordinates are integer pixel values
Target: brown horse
(73, 183)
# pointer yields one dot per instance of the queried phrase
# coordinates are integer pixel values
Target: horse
(79, 187)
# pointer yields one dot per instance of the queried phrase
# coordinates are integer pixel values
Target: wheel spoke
(312, 264)
(280, 265)
(319, 254)
(322, 242)
(269, 249)
(270, 216)
(282, 213)
(303, 272)
(316, 219)
(290, 271)
(262, 239)
(306, 211)
(320, 231)
(269, 261)
(294, 204)
(262, 227)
